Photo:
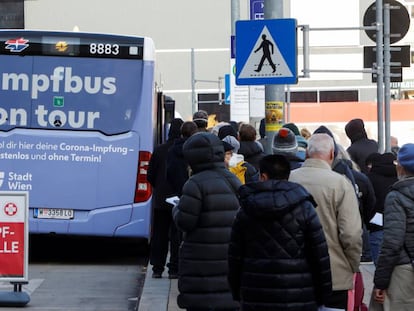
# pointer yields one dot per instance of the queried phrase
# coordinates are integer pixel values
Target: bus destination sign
(80, 46)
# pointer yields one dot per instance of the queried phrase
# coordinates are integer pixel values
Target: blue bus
(79, 118)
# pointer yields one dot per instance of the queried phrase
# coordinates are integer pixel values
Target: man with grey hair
(338, 212)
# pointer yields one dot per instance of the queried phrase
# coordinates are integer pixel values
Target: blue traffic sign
(266, 52)
(256, 9)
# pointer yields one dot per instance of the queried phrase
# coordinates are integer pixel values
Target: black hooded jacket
(157, 168)
(278, 256)
(361, 146)
(205, 214)
(177, 166)
(382, 176)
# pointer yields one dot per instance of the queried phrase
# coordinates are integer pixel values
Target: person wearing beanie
(406, 159)
(164, 233)
(227, 130)
(201, 119)
(302, 142)
(361, 146)
(394, 273)
(284, 143)
(215, 129)
(235, 162)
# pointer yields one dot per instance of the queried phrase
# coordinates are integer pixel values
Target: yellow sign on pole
(274, 115)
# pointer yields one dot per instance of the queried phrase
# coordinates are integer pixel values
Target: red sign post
(14, 236)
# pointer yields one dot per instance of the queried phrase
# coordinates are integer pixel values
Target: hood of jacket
(355, 130)
(405, 186)
(249, 148)
(383, 165)
(204, 151)
(272, 199)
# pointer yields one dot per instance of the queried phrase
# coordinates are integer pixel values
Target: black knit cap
(200, 118)
(226, 130)
(292, 127)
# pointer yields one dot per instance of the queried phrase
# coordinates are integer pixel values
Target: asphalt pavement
(161, 294)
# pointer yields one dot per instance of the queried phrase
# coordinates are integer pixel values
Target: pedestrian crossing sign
(266, 52)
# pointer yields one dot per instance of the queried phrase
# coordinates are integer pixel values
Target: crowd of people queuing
(286, 230)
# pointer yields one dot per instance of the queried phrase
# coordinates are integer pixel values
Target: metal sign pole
(380, 75)
(193, 95)
(274, 94)
(387, 75)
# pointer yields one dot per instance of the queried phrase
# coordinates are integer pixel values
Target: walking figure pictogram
(267, 47)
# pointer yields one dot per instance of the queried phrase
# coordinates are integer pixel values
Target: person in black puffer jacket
(204, 214)
(278, 255)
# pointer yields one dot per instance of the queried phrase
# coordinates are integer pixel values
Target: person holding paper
(382, 175)
(164, 234)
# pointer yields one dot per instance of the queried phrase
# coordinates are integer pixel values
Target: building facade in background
(192, 40)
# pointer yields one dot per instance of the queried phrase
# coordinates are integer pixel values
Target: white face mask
(235, 158)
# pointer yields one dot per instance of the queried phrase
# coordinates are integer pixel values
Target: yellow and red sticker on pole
(274, 115)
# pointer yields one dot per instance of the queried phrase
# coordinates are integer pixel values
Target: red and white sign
(13, 236)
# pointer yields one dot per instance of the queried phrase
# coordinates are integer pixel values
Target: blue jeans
(366, 249)
(375, 240)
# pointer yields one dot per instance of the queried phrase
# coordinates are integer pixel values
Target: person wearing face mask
(235, 162)
(394, 274)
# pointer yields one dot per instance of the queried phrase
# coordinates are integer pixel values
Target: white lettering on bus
(71, 83)
(14, 116)
(75, 119)
(66, 147)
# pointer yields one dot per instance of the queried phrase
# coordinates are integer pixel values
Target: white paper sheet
(378, 219)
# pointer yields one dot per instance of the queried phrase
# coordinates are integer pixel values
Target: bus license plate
(53, 213)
